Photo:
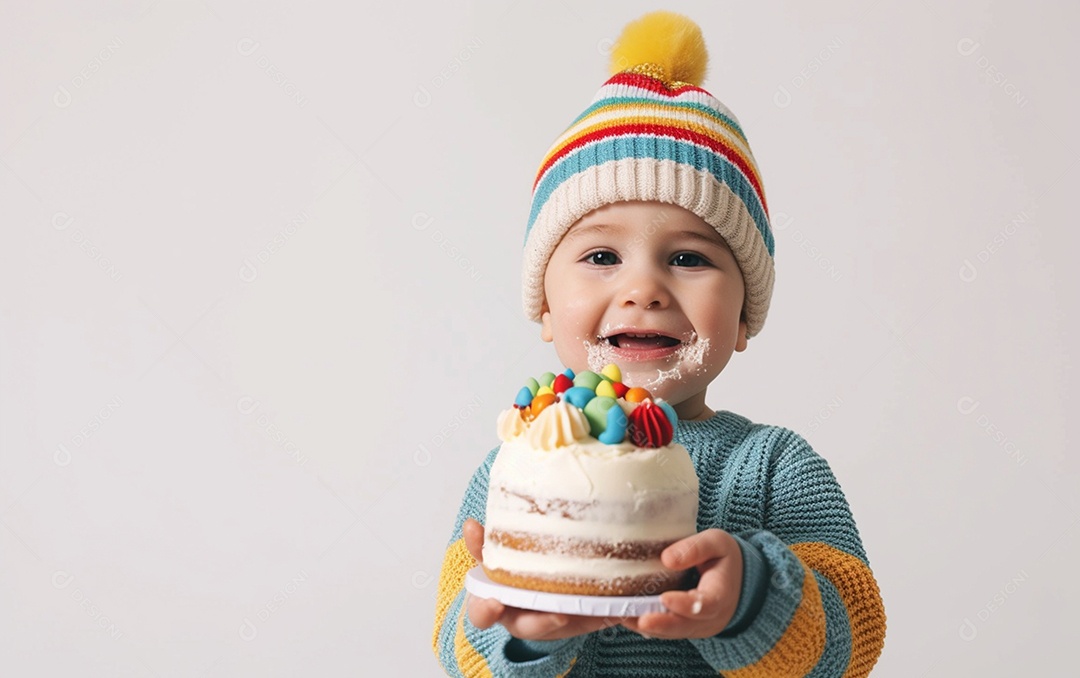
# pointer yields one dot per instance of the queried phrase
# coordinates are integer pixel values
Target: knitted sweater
(808, 606)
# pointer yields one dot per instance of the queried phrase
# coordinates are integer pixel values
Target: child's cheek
(572, 332)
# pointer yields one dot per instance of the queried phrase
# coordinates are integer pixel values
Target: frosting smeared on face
(689, 358)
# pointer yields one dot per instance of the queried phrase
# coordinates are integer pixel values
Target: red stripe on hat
(663, 131)
(650, 83)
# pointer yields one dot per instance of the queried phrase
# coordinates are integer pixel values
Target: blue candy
(578, 396)
(615, 431)
(671, 416)
(569, 374)
(524, 397)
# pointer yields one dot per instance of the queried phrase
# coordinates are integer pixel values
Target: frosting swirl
(558, 425)
(510, 424)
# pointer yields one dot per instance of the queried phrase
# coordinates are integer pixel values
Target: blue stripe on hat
(659, 148)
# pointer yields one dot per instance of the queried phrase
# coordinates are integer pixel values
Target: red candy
(561, 383)
(649, 426)
(620, 388)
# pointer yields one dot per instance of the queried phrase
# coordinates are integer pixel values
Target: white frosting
(510, 424)
(556, 426)
(589, 490)
(591, 470)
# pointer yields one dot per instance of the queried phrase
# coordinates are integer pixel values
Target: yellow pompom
(665, 39)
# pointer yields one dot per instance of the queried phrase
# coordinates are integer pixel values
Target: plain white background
(260, 310)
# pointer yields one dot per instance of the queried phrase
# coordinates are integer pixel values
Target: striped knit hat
(652, 133)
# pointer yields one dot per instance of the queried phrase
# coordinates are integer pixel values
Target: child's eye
(689, 259)
(602, 258)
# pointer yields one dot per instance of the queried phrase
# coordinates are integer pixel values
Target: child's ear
(545, 325)
(740, 341)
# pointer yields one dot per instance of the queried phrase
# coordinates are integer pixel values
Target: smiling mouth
(641, 340)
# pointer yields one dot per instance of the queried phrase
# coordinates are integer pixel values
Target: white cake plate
(478, 584)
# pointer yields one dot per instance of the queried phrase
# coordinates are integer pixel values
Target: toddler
(649, 246)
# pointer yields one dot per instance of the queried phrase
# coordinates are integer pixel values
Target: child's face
(653, 288)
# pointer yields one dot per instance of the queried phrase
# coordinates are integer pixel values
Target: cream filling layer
(546, 565)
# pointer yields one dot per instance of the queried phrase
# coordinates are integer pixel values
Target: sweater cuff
(506, 655)
(755, 583)
(754, 635)
(520, 650)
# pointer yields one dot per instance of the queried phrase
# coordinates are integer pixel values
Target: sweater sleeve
(816, 607)
(461, 648)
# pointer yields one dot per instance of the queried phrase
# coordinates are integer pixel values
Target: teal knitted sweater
(808, 606)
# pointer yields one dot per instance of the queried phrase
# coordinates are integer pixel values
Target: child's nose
(644, 289)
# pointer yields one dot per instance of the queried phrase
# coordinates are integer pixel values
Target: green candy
(588, 379)
(596, 411)
(531, 384)
(547, 379)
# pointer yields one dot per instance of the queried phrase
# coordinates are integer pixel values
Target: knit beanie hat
(652, 133)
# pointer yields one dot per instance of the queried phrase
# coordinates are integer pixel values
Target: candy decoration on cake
(562, 382)
(615, 430)
(611, 372)
(587, 489)
(524, 397)
(606, 409)
(649, 426)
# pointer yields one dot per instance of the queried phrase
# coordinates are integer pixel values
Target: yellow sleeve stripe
(456, 563)
(798, 650)
(469, 661)
(859, 591)
(568, 670)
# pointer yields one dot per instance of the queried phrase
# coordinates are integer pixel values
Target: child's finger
(660, 625)
(473, 532)
(695, 550)
(694, 604)
(533, 625)
(484, 612)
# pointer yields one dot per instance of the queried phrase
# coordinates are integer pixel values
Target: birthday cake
(587, 489)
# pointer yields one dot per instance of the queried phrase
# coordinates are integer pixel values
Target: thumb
(474, 538)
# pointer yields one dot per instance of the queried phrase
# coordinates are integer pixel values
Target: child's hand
(525, 624)
(706, 610)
